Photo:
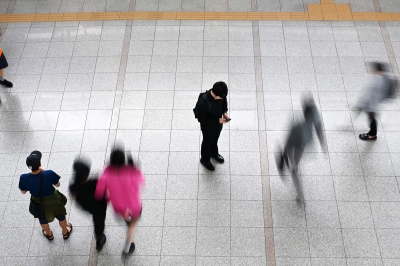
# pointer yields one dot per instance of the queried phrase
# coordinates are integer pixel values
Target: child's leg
(130, 234)
(46, 228)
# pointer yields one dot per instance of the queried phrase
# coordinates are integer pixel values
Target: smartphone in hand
(228, 119)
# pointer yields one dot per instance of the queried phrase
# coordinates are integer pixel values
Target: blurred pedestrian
(211, 111)
(375, 94)
(122, 183)
(83, 191)
(300, 136)
(3, 65)
(47, 202)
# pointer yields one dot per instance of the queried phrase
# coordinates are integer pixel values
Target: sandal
(47, 236)
(66, 235)
(366, 136)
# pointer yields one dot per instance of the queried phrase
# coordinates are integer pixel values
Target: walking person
(47, 202)
(122, 183)
(83, 191)
(211, 111)
(3, 65)
(376, 93)
(300, 136)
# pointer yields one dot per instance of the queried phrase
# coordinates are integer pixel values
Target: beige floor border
(336, 12)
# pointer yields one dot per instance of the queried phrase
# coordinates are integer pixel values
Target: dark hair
(220, 89)
(81, 174)
(308, 107)
(378, 66)
(117, 158)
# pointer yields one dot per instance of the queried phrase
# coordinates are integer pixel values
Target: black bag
(392, 90)
(36, 209)
(202, 94)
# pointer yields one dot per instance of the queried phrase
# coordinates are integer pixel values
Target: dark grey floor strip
(266, 192)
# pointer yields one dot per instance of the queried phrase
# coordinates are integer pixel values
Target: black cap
(33, 160)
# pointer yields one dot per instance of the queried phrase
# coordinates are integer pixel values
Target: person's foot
(49, 237)
(207, 165)
(218, 158)
(131, 250)
(366, 136)
(69, 231)
(100, 243)
(6, 83)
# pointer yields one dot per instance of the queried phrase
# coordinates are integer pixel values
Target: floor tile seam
(328, 153)
(263, 147)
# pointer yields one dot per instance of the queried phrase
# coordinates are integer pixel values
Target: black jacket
(209, 117)
(85, 197)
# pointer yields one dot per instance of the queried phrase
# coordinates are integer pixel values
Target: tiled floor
(80, 86)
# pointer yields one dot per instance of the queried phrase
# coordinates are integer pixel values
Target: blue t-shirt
(31, 183)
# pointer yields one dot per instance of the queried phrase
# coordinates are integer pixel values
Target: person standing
(376, 92)
(299, 137)
(40, 183)
(83, 191)
(211, 110)
(122, 183)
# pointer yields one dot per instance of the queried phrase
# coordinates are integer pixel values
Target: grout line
(265, 179)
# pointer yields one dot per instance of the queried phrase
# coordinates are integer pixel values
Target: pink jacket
(122, 186)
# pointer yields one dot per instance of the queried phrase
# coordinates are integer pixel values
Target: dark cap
(33, 160)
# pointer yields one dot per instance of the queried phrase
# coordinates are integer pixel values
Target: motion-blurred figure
(122, 183)
(375, 94)
(300, 136)
(83, 191)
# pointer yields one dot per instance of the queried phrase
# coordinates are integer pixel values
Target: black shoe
(218, 158)
(131, 250)
(208, 165)
(100, 243)
(6, 83)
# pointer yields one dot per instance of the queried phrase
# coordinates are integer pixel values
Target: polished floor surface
(79, 86)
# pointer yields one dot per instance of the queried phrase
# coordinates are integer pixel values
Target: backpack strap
(208, 101)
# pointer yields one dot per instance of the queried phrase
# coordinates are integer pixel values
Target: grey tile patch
(360, 243)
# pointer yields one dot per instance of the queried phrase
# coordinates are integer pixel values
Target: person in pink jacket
(122, 183)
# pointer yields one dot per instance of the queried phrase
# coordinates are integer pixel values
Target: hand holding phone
(228, 119)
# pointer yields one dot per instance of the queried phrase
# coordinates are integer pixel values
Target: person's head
(308, 107)
(220, 90)
(81, 171)
(378, 67)
(117, 157)
(33, 161)
(81, 174)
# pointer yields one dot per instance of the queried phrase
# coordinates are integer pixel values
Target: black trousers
(99, 217)
(209, 146)
(373, 127)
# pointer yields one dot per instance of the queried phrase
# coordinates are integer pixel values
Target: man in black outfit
(83, 191)
(212, 110)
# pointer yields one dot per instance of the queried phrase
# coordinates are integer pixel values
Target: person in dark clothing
(299, 137)
(212, 111)
(83, 191)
